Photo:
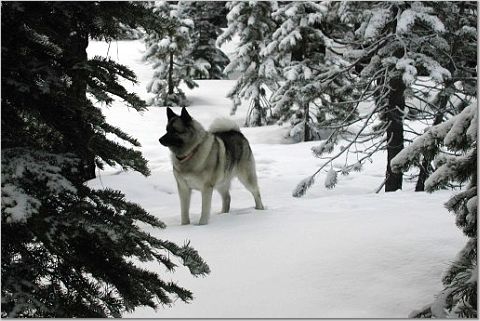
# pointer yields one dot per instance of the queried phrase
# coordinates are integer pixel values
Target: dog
(207, 160)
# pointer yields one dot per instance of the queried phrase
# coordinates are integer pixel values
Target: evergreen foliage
(308, 94)
(459, 58)
(459, 135)
(388, 47)
(402, 40)
(207, 16)
(170, 52)
(69, 250)
(252, 21)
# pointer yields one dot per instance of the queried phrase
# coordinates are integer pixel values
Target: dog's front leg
(185, 194)
(206, 204)
(185, 206)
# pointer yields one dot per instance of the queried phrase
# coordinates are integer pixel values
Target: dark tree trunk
(170, 75)
(426, 167)
(257, 110)
(394, 115)
(306, 132)
(425, 170)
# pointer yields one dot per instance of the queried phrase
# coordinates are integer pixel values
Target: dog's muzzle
(170, 141)
(162, 141)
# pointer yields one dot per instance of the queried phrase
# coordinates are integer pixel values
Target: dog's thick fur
(207, 160)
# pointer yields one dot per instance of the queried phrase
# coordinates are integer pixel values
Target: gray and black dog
(207, 160)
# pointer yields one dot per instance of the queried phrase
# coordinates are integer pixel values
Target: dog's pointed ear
(185, 115)
(170, 113)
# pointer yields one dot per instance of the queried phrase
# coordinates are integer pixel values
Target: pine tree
(252, 21)
(301, 48)
(409, 49)
(69, 250)
(170, 52)
(207, 16)
(459, 136)
(389, 46)
(458, 56)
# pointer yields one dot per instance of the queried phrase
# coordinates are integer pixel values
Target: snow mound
(223, 124)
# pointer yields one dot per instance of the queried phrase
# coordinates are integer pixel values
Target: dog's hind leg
(248, 177)
(206, 204)
(225, 194)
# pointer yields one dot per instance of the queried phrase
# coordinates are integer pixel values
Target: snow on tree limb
(449, 171)
(331, 179)
(405, 159)
(20, 163)
(303, 186)
(450, 133)
(418, 12)
(462, 125)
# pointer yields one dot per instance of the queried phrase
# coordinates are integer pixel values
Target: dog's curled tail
(223, 125)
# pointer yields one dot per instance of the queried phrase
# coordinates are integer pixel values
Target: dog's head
(183, 132)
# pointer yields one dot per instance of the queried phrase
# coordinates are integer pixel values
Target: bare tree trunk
(170, 75)
(426, 166)
(394, 115)
(425, 170)
(257, 109)
(306, 132)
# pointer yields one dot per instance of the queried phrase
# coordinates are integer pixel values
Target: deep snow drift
(345, 252)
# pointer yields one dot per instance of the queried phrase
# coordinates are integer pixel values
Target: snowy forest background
(347, 81)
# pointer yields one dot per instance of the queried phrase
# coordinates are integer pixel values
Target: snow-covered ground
(345, 252)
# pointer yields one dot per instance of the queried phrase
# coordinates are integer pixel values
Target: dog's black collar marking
(182, 159)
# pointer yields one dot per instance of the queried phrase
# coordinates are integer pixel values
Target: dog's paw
(203, 222)
(185, 222)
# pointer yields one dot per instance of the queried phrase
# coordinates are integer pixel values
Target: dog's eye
(171, 129)
(177, 130)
